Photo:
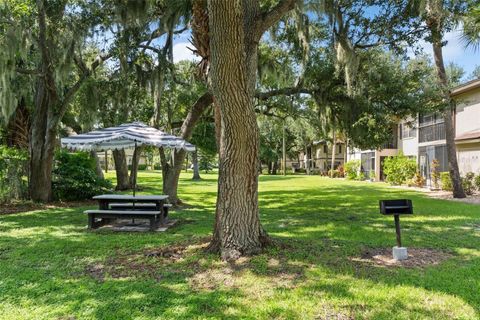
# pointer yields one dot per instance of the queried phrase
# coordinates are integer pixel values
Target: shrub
(362, 176)
(372, 175)
(446, 181)
(418, 180)
(142, 167)
(467, 183)
(341, 171)
(336, 173)
(13, 168)
(75, 178)
(435, 174)
(399, 169)
(476, 182)
(352, 169)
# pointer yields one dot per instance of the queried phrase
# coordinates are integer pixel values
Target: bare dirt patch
(417, 257)
(25, 206)
(150, 263)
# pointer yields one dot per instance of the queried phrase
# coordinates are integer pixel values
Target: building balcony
(432, 132)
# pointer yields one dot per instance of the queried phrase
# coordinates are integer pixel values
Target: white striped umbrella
(125, 136)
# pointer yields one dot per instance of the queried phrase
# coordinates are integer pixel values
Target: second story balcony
(431, 132)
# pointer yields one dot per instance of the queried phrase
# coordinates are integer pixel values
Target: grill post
(397, 229)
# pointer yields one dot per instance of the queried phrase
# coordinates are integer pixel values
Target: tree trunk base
(231, 254)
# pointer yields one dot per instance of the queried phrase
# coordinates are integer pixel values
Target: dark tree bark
(171, 174)
(121, 170)
(134, 170)
(235, 29)
(435, 24)
(196, 171)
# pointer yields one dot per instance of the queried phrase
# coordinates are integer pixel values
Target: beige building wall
(467, 121)
(467, 117)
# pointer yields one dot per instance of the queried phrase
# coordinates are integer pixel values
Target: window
(325, 148)
(407, 131)
(368, 163)
(339, 148)
(426, 156)
(429, 119)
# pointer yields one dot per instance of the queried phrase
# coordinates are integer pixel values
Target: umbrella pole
(134, 173)
(134, 177)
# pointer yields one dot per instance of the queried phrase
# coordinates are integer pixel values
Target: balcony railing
(390, 145)
(431, 133)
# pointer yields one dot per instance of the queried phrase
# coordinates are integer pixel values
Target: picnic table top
(130, 197)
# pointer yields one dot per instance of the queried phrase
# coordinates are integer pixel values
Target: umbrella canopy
(125, 136)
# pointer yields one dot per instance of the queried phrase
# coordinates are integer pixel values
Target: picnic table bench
(114, 206)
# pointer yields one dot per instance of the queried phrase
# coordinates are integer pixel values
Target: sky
(454, 51)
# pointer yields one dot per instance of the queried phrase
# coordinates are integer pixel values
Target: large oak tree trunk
(42, 143)
(121, 170)
(233, 70)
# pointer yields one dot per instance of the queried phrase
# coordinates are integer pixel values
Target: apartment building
(372, 160)
(318, 156)
(423, 138)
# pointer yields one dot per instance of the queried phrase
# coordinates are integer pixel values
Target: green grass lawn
(51, 267)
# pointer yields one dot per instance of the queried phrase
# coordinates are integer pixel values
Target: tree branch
(268, 19)
(197, 109)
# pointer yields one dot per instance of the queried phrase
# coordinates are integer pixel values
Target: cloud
(181, 52)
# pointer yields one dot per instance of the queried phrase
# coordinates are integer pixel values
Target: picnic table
(115, 206)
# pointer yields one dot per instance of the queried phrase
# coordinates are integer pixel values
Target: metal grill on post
(396, 208)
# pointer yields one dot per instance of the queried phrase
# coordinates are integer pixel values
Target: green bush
(75, 178)
(13, 169)
(476, 182)
(446, 181)
(142, 167)
(361, 176)
(399, 169)
(467, 183)
(352, 169)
